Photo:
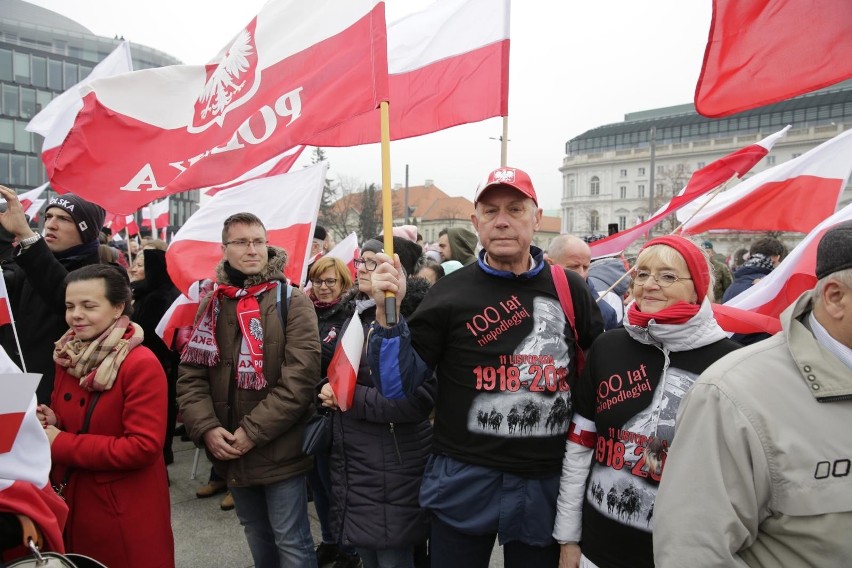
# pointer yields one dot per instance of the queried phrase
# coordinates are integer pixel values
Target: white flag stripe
(352, 341)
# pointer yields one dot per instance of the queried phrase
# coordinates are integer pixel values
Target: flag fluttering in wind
(795, 275)
(117, 223)
(764, 52)
(448, 64)
(793, 196)
(347, 251)
(25, 456)
(29, 198)
(287, 205)
(160, 213)
(702, 182)
(181, 313)
(343, 368)
(280, 164)
(297, 69)
(56, 119)
(33, 210)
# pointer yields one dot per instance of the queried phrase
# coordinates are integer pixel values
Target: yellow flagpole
(387, 206)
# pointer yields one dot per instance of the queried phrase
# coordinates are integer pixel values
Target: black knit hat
(320, 233)
(834, 251)
(88, 216)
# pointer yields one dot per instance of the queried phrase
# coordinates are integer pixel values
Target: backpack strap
(283, 307)
(564, 293)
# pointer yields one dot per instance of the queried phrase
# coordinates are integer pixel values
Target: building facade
(43, 54)
(610, 177)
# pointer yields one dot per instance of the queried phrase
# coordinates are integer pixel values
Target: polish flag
(164, 234)
(343, 368)
(347, 250)
(297, 69)
(33, 210)
(287, 204)
(280, 164)
(159, 211)
(25, 456)
(795, 275)
(447, 65)
(28, 198)
(182, 311)
(130, 225)
(758, 53)
(702, 181)
(5, 310)
(793, 196)
(54, 122)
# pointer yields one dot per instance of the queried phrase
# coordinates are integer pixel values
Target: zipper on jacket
(395, 444)
(838, 398)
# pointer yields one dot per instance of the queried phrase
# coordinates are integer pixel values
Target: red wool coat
(118, 492)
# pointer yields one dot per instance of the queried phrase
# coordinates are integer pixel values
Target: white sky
(575, 65)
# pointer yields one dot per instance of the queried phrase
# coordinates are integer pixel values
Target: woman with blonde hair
(625, 404)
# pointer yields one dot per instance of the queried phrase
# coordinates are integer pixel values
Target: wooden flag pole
(504, 143)
(387, 207)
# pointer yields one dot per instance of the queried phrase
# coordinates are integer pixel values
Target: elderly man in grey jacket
(760, 470)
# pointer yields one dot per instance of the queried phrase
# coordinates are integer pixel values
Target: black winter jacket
(743, 280)
(378, 455)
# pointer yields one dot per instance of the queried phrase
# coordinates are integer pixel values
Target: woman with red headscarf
(625, 404)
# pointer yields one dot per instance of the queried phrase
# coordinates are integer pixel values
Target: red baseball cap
(510, 177)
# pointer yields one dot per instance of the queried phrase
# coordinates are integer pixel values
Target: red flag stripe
(343, 368)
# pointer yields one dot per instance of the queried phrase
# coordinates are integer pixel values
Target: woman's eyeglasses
(329, 283)
(663, 279)
(369, 264)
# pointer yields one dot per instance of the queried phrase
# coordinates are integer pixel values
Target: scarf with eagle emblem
(202, 348)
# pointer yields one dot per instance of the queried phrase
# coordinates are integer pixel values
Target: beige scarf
(96, 362)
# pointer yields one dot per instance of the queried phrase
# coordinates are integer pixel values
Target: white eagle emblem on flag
(504, 176)
(229, 83)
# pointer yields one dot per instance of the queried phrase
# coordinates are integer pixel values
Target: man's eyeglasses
(329, 283)
(663, 279)
(245, 243)
(367, 263)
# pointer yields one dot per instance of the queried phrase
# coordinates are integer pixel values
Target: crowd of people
(579, 413)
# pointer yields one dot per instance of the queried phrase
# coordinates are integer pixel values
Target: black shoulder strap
(283, 307)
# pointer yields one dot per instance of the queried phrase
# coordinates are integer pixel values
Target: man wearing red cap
(506, 359)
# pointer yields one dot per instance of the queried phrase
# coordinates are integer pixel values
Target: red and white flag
(793, 196)
(702, 181)
(164, 236)
(28, 198)
(34, 209)
(182, 311)
(54, 122)
(159, 211)
(343, 368)
(118, 223)
(280, 164)
(287, 204)
(297, 69)
(25, 456)
(447, 65)
(759, 52)
(347, 250)
(795, 275)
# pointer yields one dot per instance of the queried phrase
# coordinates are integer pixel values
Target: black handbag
(318, 432)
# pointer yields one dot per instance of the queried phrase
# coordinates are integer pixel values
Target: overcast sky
(574, 65)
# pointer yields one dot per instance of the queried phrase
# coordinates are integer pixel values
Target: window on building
(770, 160)
(622, 191)
(796, 156)
(641, 171)
(23, 139)
(640, 219)
(640, 191)
(22, 68)
(54, 74)
(28, 102)
(661, 170)
(7, 135)
(11, 105)
(34, 170)
(6, 65)
(18, 170)
(43, 98)
(701, 165)
(594, 221)
(623, 173)
(595, 186)
(572, 189)
(4, 165)
(569, 220)
(659, 189)
(622, 222)
(70, 75)
(39, 71)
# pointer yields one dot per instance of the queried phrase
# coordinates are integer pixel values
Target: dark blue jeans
(451, 548)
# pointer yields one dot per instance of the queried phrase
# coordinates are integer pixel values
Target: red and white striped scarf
(202, 348)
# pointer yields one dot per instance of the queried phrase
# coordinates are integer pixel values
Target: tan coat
(272, 418)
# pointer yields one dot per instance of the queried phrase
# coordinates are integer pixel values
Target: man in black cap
(762, 445)
(36, 289)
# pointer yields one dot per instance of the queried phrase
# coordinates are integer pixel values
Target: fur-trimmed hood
(274, 269)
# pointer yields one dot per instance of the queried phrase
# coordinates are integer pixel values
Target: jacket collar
(274, 270)
(537, 265)
(700, 330)
(826, 376)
